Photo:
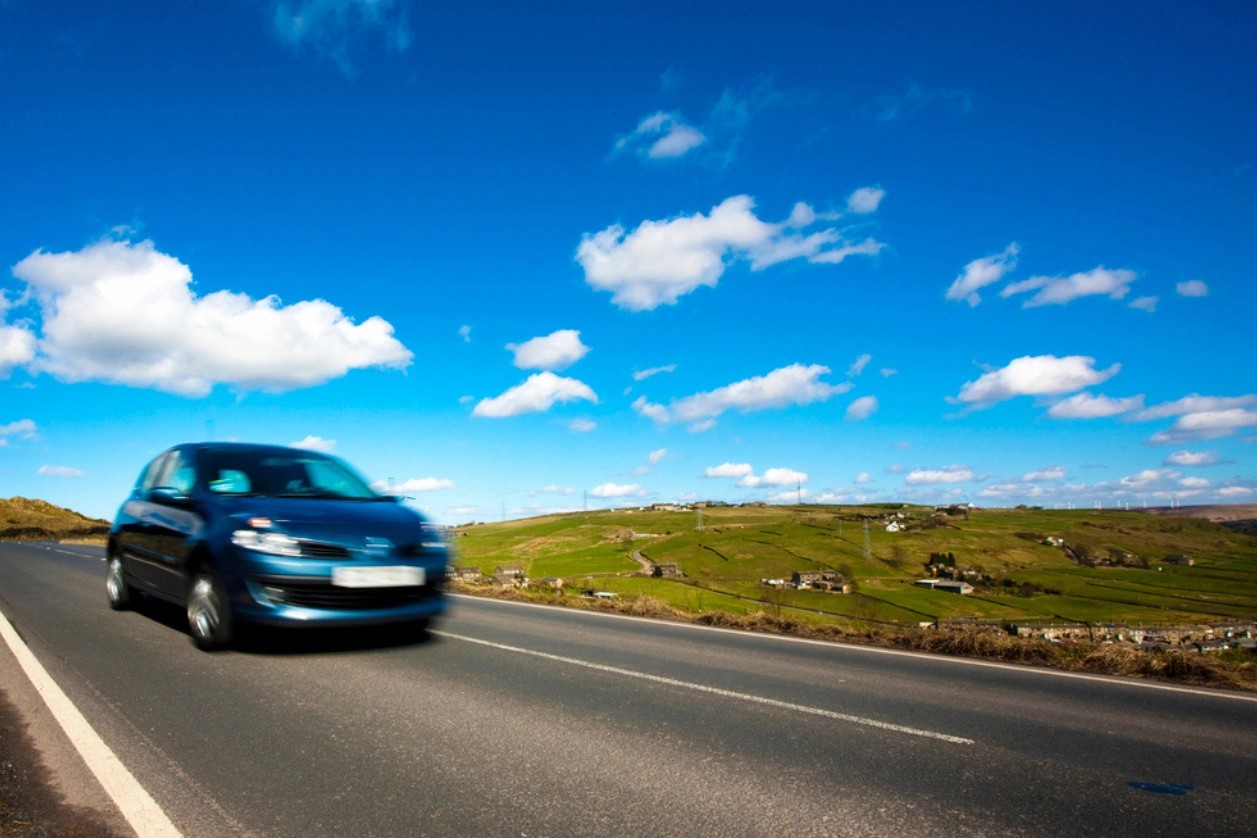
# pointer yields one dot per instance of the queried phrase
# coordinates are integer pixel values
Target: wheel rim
(203, 615)
(114, 582)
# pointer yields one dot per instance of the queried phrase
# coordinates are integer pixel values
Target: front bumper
(294, 592)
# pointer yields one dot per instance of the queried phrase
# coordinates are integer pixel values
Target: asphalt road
(520, 720)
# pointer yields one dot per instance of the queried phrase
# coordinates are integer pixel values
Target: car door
(167, 522)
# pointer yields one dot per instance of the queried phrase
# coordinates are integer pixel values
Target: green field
(1106, 567)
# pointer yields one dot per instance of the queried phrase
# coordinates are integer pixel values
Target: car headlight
(274, 543)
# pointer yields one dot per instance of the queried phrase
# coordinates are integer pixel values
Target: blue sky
(517, 260)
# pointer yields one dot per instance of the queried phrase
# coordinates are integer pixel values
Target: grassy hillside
(37, 520)
(1027, 566)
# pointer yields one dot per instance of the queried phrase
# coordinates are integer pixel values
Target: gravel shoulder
(45, 787)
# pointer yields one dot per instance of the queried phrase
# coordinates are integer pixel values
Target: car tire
(209, 612)
(414, 631)
(121, 595)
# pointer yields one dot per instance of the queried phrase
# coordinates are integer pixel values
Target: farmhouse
(821, 580)
(466, 573)
(948, 585)
(510, 574)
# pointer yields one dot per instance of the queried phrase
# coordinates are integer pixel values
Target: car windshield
(281, 474)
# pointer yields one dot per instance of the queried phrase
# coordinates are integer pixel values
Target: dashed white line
(673, 682)
(137, 806)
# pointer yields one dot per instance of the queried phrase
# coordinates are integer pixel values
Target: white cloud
(661, 136)
(784, 387)
(858, 366)
(1236, 491)
(332, 28)
(1148, 478)
(1195, 403)
(797, 495)
(1208, 424)
(1148, 304)
(746, 477)
(17, 347)
(642, 375)
(22, 427)
(616, 490)
(655, 412)
(737, 470)
(582, 426)
(315, 443)
(125, 313)
(983, 272)
(774, 477)
(866, 199)
(863, 477)
(1192, 288)
(540, 392)
(464, 331)
(554, 351)
(1053, 473)
(917, 99)
(862, 408)
(421, 484)
(554, 490)
(887, 372)
(1054, 290)
(661, 261)
(657, 455)
(1194, 483)
(1190, 458)
(60, 471)
(926, 476)
(1039, 375)
(1087, 406)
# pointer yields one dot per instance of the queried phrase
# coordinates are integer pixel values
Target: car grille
(320, 550)
(323, 595)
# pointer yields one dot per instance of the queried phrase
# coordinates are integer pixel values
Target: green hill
(1026, 566)
(36, 520)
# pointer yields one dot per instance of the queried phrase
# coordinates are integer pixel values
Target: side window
(181, 476)
(169, 471)
(151, 476)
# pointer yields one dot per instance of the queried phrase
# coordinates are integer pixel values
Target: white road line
(933, 657)
(136, 805)
(756, 699)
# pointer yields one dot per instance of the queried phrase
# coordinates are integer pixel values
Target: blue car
(263, 534)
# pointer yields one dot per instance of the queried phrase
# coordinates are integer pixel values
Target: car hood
(340, 521)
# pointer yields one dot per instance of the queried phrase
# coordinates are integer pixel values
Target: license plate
(377, 577)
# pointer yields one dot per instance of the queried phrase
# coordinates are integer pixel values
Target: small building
(665, 570)
(510, 574)
(466, 574)
(949, 585)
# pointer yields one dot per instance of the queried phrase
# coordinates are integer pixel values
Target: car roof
(244, 446)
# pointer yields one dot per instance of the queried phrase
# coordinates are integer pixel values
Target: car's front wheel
(209, 612)
(121, 595)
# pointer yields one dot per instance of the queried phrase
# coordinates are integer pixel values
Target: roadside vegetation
(24, 519)
(1117, 592)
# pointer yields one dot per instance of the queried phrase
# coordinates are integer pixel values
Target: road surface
(520, 720)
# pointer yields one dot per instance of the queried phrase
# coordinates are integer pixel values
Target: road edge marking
(142, 812)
